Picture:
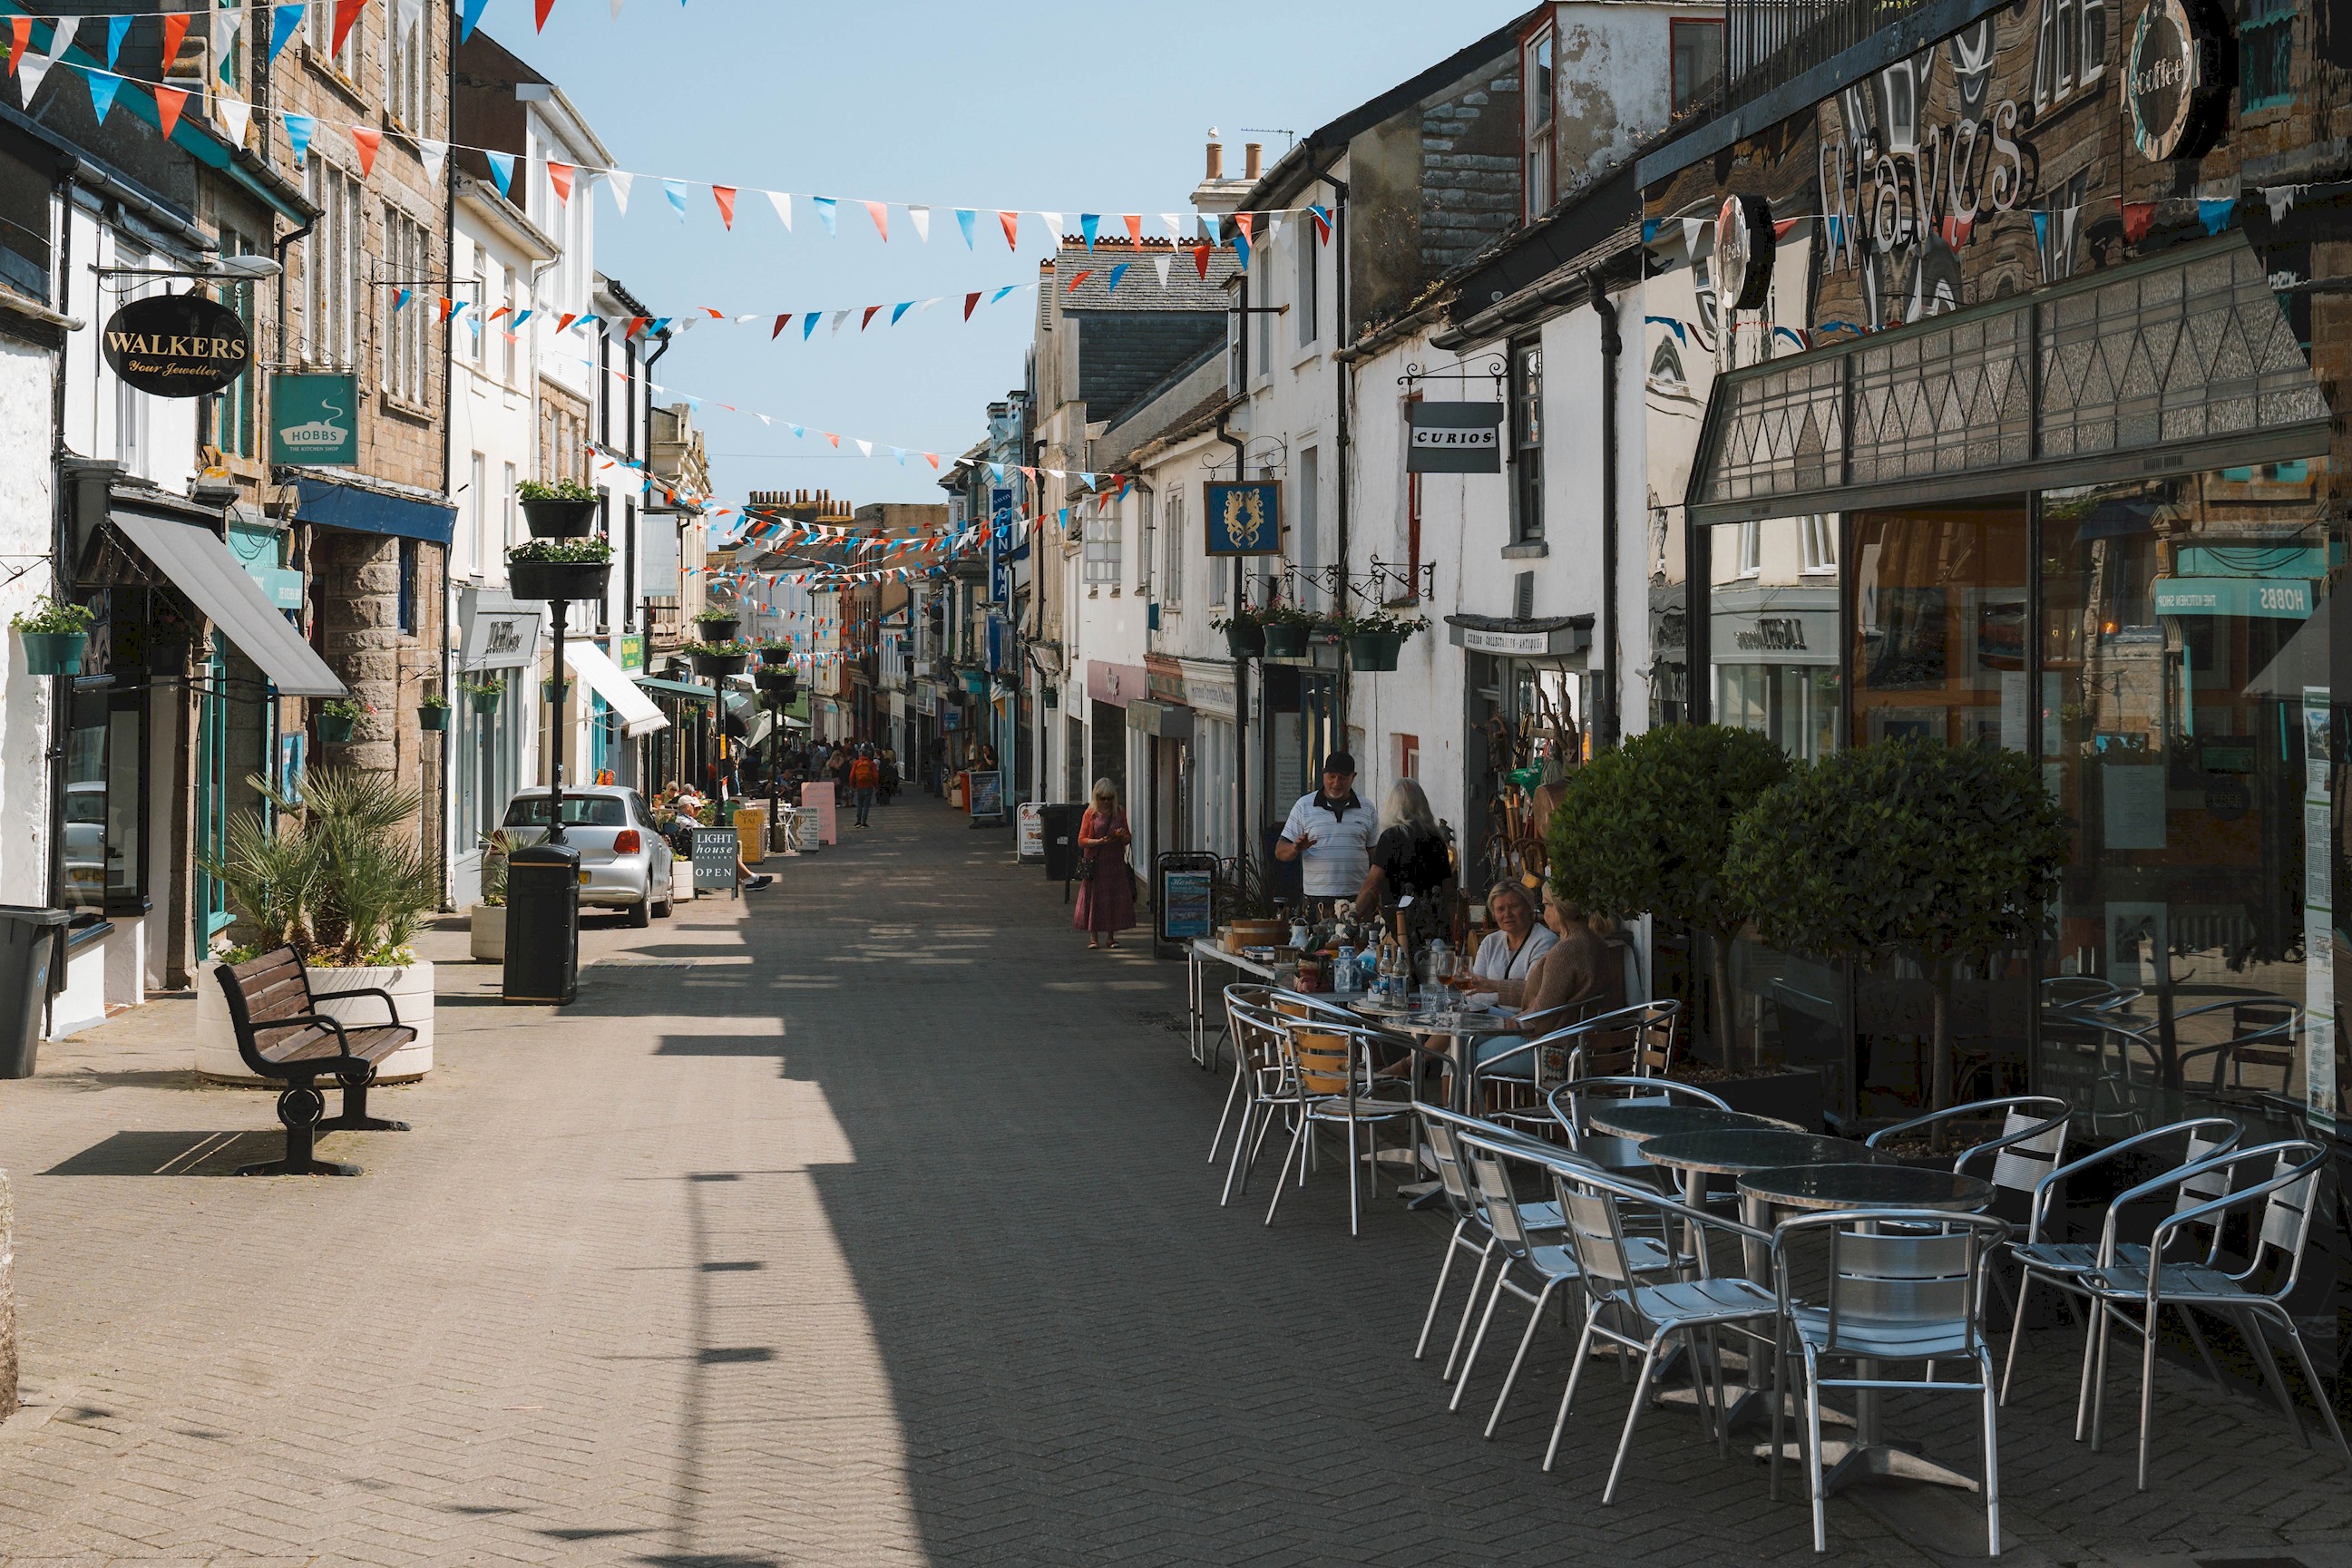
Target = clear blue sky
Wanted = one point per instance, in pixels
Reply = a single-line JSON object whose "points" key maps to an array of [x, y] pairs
{"points": [[1064, 106]]}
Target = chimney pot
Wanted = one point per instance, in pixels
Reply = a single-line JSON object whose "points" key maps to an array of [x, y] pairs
{"points": [[1252, 156], [1216, 160]]}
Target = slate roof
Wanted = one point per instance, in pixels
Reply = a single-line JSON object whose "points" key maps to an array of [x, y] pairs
{"points": [[1140, 289]]}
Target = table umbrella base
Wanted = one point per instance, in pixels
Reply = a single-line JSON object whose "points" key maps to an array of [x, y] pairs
{"points": [[1844, 1463]]}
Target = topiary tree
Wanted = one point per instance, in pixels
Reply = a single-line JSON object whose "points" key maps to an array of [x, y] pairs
{"points": [[1910, 848], [1644, 828]]}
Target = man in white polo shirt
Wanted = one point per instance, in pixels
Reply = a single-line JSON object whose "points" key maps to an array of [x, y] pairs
{"points": [[1330, 833]]}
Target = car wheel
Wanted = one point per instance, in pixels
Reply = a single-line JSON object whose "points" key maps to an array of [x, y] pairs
{"points": [[662, 909], [641, 913]]}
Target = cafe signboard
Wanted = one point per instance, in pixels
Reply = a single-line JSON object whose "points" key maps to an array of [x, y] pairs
{"points": [[2175, 88], [177, 345]]}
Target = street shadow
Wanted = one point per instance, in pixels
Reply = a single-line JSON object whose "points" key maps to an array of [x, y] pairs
{"points": [[174, 1154]]}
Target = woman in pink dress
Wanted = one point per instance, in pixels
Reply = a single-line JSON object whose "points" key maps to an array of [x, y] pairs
{"points": [[1107, 895]]}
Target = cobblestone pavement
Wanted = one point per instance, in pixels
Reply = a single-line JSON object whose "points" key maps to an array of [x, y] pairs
{"points": [[865, 1222]]}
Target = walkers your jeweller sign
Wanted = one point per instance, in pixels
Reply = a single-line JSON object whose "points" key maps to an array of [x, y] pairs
{"points": [[177, 345], [2177, 79], [1455, 438], [1244, 518], [312, 420]]}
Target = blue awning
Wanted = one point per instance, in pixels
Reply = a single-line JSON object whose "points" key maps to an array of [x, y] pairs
{"points": [[362, 511]]}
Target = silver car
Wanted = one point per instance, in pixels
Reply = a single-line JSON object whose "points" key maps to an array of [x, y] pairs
{"points": [[624, 862]]}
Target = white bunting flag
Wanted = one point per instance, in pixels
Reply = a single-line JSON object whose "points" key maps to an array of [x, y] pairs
{"points": [[838, 317], [2281, 199], [30, 71], [921, 218], [1692, 229], [783, 205], [1161, 262], [235, 114], [1175, 222], [434, 154], [1053, 226], [1274, 229], [621, 180]]}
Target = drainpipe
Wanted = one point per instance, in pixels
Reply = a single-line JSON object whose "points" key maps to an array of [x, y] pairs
{"points": [[1346, 380], [1612, 347], [1241, 660]]}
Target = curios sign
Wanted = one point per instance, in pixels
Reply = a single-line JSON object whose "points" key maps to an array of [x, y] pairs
{"points": [[2177, 80], [1743, 252], [177, 345]]}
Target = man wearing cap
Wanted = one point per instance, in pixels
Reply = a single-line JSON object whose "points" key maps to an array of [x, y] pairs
{"points": [[1330, 833]]}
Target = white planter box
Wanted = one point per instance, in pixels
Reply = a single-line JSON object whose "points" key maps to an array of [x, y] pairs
{"points": [[681, 879], [490, 923], [412, 992]]}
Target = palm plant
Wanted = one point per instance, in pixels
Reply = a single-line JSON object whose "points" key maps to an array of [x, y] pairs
{"points": [[332, 875]]}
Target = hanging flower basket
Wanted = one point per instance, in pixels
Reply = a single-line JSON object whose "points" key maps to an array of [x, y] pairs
{"points": [[711, 628], [559, 517], [1374, 651], [559, 580], [1285, 640], [719, 658], [487, 701], [1245, 639], [335, 728], [433, 718], [54, 652], [776, 657], [781, 682]]}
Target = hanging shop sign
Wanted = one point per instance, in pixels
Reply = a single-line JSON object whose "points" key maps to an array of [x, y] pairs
{"points": [[1244, 518], [1455, 438], [177, 345], [1743, 252], [2175, 88], [314, 420]]}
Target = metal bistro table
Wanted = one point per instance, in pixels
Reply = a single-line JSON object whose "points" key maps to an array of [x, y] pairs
{"points": [[1637, 1120], [1864, 1186], [1455, 1027], [1197, 959]]}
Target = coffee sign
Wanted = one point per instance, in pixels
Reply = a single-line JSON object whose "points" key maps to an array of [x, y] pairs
{"points": [[177, 345], [2175, 88], [1743, 252]]}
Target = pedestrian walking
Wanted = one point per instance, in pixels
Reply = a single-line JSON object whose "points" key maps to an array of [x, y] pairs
{"points": [[865, 778], [1105, 890]]}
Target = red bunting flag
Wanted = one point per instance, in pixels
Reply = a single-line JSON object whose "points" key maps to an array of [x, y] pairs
{"points": [[365, 139], [559, 175], [448, 305], [2138, 218], [544, 7], [1012, 221], [169, 101], [501, 310], [880, 212], [175, 31], [1084, 273], [346, 13], [781, 322], [725, 196], [832, 437], [1241, 221], [1135, 227], [932, 458], [970, 302], [1201, 258], [569, 317], [637, 325], [871, 310], [21, 28]]}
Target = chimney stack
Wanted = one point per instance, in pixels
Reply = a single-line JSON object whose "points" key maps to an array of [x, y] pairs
{"points": [[1253, 158], [1216, 160]]}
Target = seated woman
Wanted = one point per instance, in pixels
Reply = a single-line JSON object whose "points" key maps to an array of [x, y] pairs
{"points": [[1410, 858], [1582, 974], [1509, 951]]}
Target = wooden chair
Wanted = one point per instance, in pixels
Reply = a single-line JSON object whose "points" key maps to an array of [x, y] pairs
{"points": [[284, 1036]]}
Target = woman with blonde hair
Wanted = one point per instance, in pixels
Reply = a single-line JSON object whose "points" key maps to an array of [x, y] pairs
{"points": [[1106, 891], [1409, 857]]}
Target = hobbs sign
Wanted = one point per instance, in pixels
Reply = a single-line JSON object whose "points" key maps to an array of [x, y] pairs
{"points": [[177, 345]]}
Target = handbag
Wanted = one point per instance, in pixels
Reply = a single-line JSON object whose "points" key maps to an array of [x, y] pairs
{"points": [[1085, 857]]}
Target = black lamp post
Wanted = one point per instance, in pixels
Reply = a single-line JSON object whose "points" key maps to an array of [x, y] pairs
{"points": [[542, 961]]}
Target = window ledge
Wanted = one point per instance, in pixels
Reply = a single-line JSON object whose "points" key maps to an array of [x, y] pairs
{"points": [[1527, 549], [400, 408]]}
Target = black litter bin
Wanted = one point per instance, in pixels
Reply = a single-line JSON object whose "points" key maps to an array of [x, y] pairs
{"points": [[31, 955], [1061, 825], [542, 963]]}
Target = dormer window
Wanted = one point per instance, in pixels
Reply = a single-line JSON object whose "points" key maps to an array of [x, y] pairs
{"points": [[1536, 91]]}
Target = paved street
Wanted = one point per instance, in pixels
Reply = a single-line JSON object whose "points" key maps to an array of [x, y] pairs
{"points": [[866, 1223]]}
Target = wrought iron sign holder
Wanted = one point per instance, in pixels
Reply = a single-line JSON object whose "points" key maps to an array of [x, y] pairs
{"points": [[1495, 369]]}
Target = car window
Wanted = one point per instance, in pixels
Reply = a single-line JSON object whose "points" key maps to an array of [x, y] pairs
{"points": [[578, 811], [645, 812]]}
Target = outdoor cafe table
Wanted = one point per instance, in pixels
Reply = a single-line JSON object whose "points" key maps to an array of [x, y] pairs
{"points": [[1203, 953], [1736, 1151], [1860, 1184], [1457, 1028], [1637, 1120]]}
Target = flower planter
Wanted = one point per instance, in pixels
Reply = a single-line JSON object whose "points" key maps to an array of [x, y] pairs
{"points": [[547, 692], [722, 630], [335, 728], [487, 702], [488, 922], [432, 719], [776, 658], [1245, 639], [54, 652], [1374, 651], [412, 992], [560, 519], [1285, 640], [783, 683], [721, 663], [557, 579]]}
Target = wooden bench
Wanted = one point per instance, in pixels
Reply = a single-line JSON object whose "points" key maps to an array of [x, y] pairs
{"points": [[283, 1037]]}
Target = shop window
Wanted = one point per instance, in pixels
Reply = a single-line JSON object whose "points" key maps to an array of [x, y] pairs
{"points": [[1817, 543], [1171, 577], [1751, 550], [235, 424], [1310, 280], [1697, 62], [1538, 97], [405, 57], [2072, 48], [2265, 55], [1526, 442], [331, 266], [105, 851], [320, 35], [408, 586], [1772, 637], [1103, 543], [405, 352], [1146, 542]]}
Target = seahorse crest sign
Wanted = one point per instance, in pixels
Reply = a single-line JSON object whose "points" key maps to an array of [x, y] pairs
{"points": [[1245, 518]]}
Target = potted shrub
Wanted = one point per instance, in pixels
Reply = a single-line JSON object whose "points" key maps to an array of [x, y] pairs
{"points": [[332, 871], [1912, 849], [1373, 641], [485, 696], [1643, 828], [433, 712], [563, 569], [719, 658], [773, 652], [339, 718], [717, 625], [1245, 632], [564, 511], [486, 920], [55, 636]]}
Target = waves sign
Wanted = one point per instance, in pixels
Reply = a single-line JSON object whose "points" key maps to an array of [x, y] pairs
{"points": [[312, 420], [177, 345]]}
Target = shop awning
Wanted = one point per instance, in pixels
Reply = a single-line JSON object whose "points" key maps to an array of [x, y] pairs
{"points": [[686, 689], [591, 663], [362, 510], [201, 567]]}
